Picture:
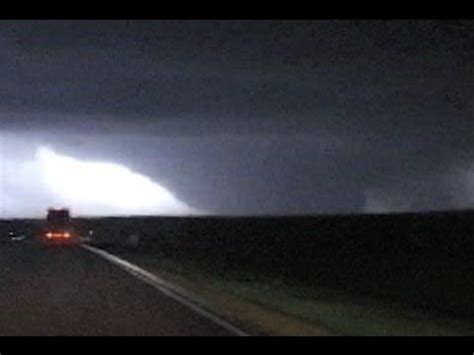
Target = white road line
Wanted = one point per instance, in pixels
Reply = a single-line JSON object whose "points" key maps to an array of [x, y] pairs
{"points": [[169, 289]]}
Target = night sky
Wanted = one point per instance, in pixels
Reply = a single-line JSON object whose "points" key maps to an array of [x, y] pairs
{"points": [[236, 117]]}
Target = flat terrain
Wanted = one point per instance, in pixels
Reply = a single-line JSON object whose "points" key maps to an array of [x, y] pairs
{"points": [[68, 291], [278, 307], [391, 274]]}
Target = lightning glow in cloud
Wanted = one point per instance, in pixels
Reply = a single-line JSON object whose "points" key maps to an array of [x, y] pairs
{"points": [[104, 186], [29, 187]]}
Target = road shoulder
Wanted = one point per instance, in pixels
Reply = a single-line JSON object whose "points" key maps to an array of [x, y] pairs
{"points": [[254, 318]]}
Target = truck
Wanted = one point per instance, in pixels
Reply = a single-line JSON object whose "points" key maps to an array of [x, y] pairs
{"points": [[58, 229]]}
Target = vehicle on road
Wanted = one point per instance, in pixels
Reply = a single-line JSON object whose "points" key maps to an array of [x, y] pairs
{"points": [[59, 228], [87, 238], [14, 236]]}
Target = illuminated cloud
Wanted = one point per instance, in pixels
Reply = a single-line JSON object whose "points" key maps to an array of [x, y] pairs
{"points": [[461, 183], [381, 201], [88, 188]]}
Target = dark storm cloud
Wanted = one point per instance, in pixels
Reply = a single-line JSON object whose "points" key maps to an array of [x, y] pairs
{"points": [[255, 116]]}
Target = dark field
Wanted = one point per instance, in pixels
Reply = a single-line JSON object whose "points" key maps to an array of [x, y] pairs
{"points": [[421, 260]]}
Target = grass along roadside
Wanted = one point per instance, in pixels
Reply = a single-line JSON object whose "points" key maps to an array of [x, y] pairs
{"points": [[277, 308]]}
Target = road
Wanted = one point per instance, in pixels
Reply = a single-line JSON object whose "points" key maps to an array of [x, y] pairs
{"points": [[70, 291]]}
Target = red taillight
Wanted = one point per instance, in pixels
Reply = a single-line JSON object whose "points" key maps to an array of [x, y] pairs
{"points": [[59, 235]]}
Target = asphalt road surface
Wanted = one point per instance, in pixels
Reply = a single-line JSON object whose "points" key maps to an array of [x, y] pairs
{"points": [[69, 291]]}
